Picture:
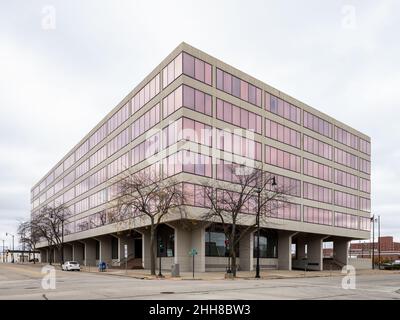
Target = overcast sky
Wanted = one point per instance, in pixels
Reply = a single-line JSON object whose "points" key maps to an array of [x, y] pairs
{"points": [[65, 64]]}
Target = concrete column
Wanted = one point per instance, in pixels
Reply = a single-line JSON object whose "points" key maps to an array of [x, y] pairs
{"points": [[146, 250], [43, 255], [78, 252], [182, 246], [125, 240], [315, 253], [285, 250], [89, 252], [246, 246], [300, 248], [68, 256], [341, 250], [199, 243], [105, 248]]}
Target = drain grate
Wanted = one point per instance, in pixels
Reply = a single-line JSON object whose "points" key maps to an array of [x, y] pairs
{"points": [[167, 292]]}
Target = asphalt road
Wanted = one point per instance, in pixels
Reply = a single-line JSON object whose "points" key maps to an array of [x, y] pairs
{"points": [[25, 282]]}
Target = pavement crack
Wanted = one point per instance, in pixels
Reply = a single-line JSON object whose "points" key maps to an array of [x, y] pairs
{"points": [[44, 296]]}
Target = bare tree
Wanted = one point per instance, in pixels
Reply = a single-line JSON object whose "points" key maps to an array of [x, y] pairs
{"points": [[49, 224], [151, 195], [29, 235], [229, 203]]}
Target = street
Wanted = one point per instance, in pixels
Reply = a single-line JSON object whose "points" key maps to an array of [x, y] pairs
{"points": [[24, 282]]}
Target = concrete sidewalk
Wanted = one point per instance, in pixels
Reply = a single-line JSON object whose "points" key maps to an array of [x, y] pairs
{"points": [[265, 274]]}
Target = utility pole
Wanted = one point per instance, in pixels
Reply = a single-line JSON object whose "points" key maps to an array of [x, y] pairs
{"points": [[12, 254], [379, 242]]}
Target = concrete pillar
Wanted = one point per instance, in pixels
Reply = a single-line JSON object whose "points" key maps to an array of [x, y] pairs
{"points": [[105, 248], [43, 255], [128, 241], [146, 250], [246, 246], [182, 246], [199, 243], [285, 249], [89, 253], [78, 252], [300, 248], [341, 250], [315, 253], [68, 256], [56, 255]]}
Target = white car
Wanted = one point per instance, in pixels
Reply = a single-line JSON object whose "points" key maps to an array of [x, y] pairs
{"points": [[71, 266]]}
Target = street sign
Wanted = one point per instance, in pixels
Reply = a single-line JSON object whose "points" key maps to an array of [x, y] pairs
{"points": [[126, 250], [193, 252]]}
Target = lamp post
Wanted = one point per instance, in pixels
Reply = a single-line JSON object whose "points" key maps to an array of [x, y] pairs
{"points": [[258, 190], [12, 254], [161, 250], [373, 241]]}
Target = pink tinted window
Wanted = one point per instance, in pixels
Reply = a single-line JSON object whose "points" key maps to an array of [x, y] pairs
{"points": [[235, 115], [188, 65], [244, 120], [207, 75], [199, 70], [235, 86], [252, 121], [220, 79], [227, 82], [188, 97], [199, 101], [244, 90], [220, 109], [208, 106], [227, 112]]}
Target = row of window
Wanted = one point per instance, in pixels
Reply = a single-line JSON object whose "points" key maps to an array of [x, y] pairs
{"points": [[187, 129], [238, 88], [282, 159], [238, 116], [282, 108], [187, 161], [185, 96], [317, 124], [282, 133], [317, 147], [238, 145]]}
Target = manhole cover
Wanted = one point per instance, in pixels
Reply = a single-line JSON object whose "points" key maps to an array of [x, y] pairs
{"points": [[167, 292]]}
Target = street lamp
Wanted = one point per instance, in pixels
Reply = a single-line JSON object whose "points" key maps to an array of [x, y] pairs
{"points": [[373, 219], [12, 254], [258, 190], [161, 251]]}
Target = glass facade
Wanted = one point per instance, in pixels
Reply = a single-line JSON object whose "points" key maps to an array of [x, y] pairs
{"points": [[311, 156]]}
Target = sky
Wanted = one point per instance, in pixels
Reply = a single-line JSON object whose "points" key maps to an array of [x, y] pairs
{"points": [[65, 64]]}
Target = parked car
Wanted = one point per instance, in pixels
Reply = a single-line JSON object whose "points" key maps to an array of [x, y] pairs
{"points": [[71, 266]]}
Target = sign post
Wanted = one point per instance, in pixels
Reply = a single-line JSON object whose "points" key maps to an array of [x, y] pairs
{"points": [[192, 253]]}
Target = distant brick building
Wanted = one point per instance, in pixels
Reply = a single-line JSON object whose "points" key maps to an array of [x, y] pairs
{"points": [[390, 250]]}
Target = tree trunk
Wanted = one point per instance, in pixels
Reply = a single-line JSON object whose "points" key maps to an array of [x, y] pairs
{"points": [[153, 251], [233, 251], [50, 256], [233, 261]]}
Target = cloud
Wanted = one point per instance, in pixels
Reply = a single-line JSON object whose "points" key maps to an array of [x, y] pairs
{"points": [[56, 85]]}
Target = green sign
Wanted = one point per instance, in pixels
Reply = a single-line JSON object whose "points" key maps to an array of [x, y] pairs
{"points": [[193, 252]]}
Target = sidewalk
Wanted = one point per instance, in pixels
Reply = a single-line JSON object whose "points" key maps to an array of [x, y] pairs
{"points": [[243, 275]]}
